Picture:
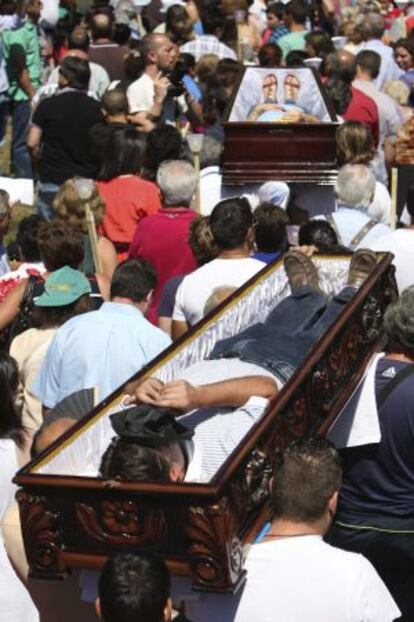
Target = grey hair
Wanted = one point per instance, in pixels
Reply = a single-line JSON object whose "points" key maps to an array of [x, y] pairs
{"points": [[374, 25], [399, 322], [210, 152], [355, 186], [398, 90], [177, 182]]}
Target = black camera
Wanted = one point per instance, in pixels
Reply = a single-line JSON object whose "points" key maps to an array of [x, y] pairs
{"points": [[176, 76]]}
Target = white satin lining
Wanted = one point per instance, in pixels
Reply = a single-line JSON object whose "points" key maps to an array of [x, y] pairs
{"points": [[82, 455]]}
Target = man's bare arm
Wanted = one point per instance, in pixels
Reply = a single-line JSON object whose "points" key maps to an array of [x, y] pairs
{"points": [[18, 61], [34, 139], [178, 329], [9, 308], [182, 395]]}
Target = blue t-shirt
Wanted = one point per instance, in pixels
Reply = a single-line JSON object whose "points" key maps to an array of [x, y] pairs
{"points": [[378, 486], [266, 257], [192, 87]]}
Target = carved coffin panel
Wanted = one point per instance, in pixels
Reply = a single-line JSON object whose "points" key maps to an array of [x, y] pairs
{"points": [[279, 124], [201, 529]]}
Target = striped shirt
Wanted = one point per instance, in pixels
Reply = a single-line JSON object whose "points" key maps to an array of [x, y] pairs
{"points": [[278, 33], [207, 44], [218, 431]]}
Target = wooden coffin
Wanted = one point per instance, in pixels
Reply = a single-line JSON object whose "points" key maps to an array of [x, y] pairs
{"points": [[71, 518], [271, 147]]}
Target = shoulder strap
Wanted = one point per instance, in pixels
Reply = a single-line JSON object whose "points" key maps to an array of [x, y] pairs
{"points": [[393, 384], [362, 233]]}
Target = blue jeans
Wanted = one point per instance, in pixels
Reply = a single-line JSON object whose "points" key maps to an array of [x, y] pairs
{"points": [[282, 342], [22, 163], [47, 192]]}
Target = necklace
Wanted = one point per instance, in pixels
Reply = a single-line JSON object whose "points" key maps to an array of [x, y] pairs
{"points": [[289, 535]]}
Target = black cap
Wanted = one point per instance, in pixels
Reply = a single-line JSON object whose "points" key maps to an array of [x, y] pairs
{"points": [[150, 426]]}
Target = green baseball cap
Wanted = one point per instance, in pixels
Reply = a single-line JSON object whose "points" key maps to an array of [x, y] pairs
{"points": [[63, 287]]}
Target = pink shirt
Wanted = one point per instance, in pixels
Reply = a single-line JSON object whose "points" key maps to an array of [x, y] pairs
{"points": [[162, 240]]}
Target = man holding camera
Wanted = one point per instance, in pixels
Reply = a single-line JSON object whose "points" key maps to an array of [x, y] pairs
{"points": [[152, 97]]}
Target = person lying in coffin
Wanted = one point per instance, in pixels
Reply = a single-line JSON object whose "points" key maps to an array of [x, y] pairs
{"points": [[224, 396]]}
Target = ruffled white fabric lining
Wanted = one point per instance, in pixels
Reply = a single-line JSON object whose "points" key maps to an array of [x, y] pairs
{"points": [[81, 454]]}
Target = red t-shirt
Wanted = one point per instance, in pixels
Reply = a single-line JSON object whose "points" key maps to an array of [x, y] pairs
{"points": [[162, 240], [128, 198], [362, 108], [409, 25]]}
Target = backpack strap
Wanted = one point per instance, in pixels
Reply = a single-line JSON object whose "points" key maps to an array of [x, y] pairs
{"points": [[27, 300], [393, 384], [362, 233]]}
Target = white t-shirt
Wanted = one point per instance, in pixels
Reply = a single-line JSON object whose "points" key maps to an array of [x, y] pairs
{"points": [[141, 94], [401, 244], [197, 287], [303, 578], [15, 602]]}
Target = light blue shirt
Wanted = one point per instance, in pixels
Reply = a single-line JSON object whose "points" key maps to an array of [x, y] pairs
{"points": [[100, 349], [350, 221]]}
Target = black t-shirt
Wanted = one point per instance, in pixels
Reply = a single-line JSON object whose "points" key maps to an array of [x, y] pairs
{"points": [[100, 135], [65, 120], [167, 300], [378, 485]]}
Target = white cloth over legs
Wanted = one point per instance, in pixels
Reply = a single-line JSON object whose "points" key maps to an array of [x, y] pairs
{"points": [[15, 602]]}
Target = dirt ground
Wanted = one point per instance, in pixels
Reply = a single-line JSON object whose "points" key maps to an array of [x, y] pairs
{"points": [[19, 209]]}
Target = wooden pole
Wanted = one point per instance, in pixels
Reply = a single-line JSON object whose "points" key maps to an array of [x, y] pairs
{"points": [[197, 201], [93, 237], [394, 190], [239, 43]]}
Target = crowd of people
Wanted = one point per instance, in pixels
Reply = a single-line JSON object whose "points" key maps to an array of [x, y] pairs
{"points": [[131, 240]]}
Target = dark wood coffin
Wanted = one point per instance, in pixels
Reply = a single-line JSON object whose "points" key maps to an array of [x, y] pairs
{"points": [[70, 519], [260, 150]]}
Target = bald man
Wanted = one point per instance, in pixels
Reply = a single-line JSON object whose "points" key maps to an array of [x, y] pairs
{"points": [[78, 45], [104, 51], [147, 95], [114, 107]]}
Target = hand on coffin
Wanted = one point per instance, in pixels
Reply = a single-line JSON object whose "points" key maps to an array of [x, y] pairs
{"points": [[233, 393], [178, 394], [307, 250]]}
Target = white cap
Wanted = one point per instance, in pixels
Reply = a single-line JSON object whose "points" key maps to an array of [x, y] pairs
{"points": [[276, 192], [167, 3]]}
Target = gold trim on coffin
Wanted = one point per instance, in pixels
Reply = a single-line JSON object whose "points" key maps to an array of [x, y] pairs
{"points": [[173, 353]]}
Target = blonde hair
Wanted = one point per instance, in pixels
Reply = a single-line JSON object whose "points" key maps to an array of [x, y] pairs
{"points": [[354, 144], [70, 208], [217, 296], [398, 90], [206, 66]]}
